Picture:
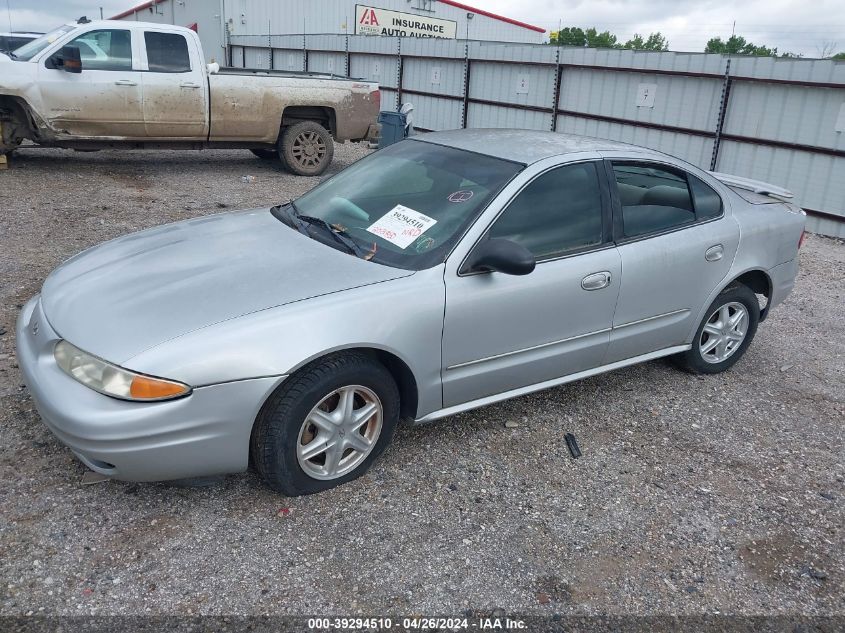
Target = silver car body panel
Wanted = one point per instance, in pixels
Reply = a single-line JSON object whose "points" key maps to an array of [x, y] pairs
{"points": [[233, 304], [161, 283]]}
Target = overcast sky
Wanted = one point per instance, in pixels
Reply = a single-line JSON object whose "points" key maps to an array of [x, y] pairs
{"points": [[800, 26]]}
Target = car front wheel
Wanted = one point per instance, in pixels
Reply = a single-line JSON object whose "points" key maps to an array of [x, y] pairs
{"points": [[725, 332], [326, 424]]}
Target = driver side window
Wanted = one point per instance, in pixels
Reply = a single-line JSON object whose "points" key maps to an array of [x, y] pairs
{"points": [[105, 49], [558, 212]]}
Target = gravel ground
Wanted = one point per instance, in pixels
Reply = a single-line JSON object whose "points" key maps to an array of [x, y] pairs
{"points": [[694, 494]]}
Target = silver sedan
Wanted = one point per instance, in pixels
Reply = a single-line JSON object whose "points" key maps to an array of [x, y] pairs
{"points": [[444, 273]]}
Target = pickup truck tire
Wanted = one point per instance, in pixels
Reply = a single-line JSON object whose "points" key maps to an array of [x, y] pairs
{"points": [[306, 148], [307, 411], [725, 332], [266, 154]]}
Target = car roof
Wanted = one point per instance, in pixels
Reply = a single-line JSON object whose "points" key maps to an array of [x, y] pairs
{"points": [[523, 146]]}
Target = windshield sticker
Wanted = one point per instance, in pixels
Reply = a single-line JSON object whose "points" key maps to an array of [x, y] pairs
{"points": [[401, 226], [460, 196]]}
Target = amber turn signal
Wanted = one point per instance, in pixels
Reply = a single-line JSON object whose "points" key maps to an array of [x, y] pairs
{"points": [[145, 388]]}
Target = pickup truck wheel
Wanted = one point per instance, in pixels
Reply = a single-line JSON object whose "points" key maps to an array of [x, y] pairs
{"points": [[306, 148], [266, 154], [725, 332], [325, 424]]}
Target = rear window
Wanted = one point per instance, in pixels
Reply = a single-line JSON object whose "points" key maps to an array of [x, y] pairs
{"points": [[167, 52]]}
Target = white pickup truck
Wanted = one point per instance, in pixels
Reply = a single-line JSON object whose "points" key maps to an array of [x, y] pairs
{"points": [[111, 84]]}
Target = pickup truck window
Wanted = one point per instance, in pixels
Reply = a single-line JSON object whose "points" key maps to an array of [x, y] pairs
{"points": [[167, 52], [106, 49]]}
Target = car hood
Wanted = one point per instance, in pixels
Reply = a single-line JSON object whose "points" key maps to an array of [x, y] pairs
{"points": [[130, 294]]}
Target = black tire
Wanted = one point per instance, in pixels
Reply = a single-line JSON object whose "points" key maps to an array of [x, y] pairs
{"points": [[693, 361], [276, 432], [266, 154], [294, 148]]}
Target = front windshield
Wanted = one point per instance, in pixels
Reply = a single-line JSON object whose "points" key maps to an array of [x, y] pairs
{"points": [[31, 49], [407, 205]]}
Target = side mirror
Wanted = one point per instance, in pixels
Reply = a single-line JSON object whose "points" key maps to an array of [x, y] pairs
{"points": [[68, 59], [503, 256]]}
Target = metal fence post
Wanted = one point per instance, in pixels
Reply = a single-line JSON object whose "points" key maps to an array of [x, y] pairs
{"points": [[720, 120], [558, 79], [346, 54], [467, 64], [400, 73]]}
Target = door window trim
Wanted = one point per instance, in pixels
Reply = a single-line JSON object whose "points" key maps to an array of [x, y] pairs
{"points": [[606, 220], [619, 236]]}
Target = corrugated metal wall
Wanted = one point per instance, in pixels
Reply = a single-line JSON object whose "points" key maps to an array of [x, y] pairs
{"points": [[772, 119]]}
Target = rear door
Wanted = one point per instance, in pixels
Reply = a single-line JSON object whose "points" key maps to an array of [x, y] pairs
{"points": [[175, 90], [104, 100], [676, 241]]}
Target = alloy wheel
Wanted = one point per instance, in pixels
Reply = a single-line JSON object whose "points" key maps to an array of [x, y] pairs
{"points": [[340, 432], [723, 333]]}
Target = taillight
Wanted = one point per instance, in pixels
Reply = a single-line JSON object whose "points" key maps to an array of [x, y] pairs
{"points": [[375, 95], [801, 239]]}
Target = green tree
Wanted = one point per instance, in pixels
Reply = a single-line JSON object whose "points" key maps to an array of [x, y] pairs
{"points": [[738, 45], [654, 42], [840, 56], [575, 36]]}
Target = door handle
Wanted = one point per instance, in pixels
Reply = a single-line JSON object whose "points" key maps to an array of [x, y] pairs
{"points": [[125, 82], [596, 281], [188, 84], [714, 253]]}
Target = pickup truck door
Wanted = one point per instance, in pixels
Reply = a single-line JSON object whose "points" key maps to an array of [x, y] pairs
{"points": [[175, 87], [104, 100]]}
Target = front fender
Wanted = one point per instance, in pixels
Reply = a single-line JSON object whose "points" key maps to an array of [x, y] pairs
{"points": [[403, 317]]}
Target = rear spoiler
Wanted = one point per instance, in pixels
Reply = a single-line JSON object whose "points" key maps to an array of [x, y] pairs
{"points": [[756, 186]]}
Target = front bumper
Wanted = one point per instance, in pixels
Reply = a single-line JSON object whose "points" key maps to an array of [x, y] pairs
{"points": [[205, 433]]}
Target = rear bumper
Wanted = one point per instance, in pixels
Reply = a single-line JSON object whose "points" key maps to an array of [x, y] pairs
{"points": [[783, 280], [205, 433]]}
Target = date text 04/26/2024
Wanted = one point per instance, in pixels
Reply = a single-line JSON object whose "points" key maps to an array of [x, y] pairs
{"points": [[416, 623]]}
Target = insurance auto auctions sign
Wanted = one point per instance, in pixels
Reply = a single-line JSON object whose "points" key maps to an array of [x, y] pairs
{"points": [[373, 21]]}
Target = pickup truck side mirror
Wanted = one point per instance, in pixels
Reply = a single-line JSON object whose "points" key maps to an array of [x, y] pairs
{"points": [[68, 59], [501, 255]]}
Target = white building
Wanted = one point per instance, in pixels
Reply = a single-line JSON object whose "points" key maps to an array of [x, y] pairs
{"points": [[424, 18]]}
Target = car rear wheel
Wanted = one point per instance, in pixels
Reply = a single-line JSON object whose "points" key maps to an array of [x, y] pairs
{"points": [[266, 154], [326, 424], [725, 332], [306, 148]]}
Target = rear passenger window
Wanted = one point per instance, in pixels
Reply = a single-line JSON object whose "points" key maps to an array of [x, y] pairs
{"points": [[167, 52], [559, 211], [708, 204], [654, 199]]}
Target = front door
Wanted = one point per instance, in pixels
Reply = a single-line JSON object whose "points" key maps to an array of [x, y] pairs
{"points": [[503, 332], [104, 100]]}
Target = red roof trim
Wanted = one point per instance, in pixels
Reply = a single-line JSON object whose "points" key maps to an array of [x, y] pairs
{"points": [[140, 7], [495, 16], [459, 5]]}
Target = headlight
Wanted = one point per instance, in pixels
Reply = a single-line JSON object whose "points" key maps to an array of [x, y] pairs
{"points": [[112, 380]]}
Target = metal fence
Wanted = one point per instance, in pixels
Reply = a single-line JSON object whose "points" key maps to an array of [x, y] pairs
{"points": [[772, 119]]}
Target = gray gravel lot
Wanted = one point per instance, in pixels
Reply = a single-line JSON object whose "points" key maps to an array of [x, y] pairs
{"points": [[694, 494]]}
